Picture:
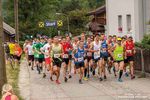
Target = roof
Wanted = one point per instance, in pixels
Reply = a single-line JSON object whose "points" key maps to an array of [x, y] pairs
{"points": [[97, 11], [8, 28]]}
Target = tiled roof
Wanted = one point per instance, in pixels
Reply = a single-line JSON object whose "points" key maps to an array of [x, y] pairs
{"points": [[97, 11], [8, 28]]}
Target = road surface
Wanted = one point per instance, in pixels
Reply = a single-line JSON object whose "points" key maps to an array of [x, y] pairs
{"points": [[34, 87]]}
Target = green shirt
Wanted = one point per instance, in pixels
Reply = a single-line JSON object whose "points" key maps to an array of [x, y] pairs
{"points": [[38, 46], [36, 55], [118, 53]]}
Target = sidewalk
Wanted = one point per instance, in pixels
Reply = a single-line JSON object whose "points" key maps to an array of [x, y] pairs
{"points": [[24, 80]]}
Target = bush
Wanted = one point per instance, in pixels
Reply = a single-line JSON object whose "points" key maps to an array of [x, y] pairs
{"points": [[145, 43]]}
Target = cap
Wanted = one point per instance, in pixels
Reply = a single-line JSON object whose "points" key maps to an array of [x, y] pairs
{"points": [[119, 39]]}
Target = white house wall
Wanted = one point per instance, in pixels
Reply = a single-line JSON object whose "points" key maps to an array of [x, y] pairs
{"points": [[125, 7]]}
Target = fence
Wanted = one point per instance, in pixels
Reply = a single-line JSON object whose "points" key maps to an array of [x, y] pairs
{"points": [[145, 64]]}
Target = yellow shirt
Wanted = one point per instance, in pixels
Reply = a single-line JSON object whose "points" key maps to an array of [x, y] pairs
{"points": [[12, 48]]}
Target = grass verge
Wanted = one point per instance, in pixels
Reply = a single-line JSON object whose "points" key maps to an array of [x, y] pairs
{"points": [[12, 78]]}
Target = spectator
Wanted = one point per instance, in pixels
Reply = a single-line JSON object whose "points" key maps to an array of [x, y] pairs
{"points": [[7, 93]]}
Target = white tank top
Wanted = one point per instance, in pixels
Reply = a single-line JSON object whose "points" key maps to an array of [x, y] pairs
{"points": [[97, 47]]}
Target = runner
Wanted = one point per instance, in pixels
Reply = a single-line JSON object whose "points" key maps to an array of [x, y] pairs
{"points": [[46, 50], [114, 41], [30, 53], [12, 49], [110, 58], [89, 56], [17, 54], [69, 46], [79, 60], [57, 51], [130, 51], [75, 47], [25, 50], [66, 47], [118, 56], [103, 56], [39, 55], [36, 55], [83, 38], [95, 48]]}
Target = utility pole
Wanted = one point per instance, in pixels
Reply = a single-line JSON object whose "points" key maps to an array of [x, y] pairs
{"points": [[16, 20], [2, 58]]}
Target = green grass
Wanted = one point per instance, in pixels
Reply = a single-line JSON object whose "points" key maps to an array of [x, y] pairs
{"points": [[12, 78]]}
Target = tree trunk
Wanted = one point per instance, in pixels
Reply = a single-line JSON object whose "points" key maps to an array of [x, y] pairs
{"points": [[2, 55]]}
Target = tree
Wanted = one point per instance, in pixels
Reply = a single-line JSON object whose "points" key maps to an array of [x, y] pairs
{"points": [[2, 58], [33, 11]]}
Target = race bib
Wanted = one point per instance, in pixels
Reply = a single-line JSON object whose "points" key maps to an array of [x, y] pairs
{"points": [[120, 55], [65, 56], [56, 55], [30, 52], [96, 55], [129, 51], [80, 59], [89, 54]]}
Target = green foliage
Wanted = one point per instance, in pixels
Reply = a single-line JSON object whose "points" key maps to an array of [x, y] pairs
{"points": [[145, 43], [146, 39], [33, 11]]}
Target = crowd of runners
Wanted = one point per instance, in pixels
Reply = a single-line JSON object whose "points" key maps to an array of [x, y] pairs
{"points": [[88, 56]]}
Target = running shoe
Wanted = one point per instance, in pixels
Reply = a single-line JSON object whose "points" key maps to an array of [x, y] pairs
{"points": [[65, 79], [57, 81], [44, 75], [120, 80], [70, 76], [80, 82], [100, 79], [132, 77], [105, 77], [126, 74], [85, 79], [29, 64]]}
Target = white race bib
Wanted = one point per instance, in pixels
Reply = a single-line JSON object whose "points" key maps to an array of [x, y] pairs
{"points": [[129, 51], [89, 54], [96, 55], [65, 56], [120, 55], [80, 59], [56, 55]]}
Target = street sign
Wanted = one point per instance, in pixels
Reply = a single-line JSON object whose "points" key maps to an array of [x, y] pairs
{"points": [[41, 24], [50, 23], [60, 23]]}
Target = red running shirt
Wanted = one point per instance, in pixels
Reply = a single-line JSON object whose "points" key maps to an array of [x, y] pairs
{"points": [[66, 47], [129, 48]]}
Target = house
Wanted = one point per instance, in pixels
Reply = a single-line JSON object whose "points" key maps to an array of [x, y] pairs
{"points": [[9, 32], [128, 17], [98, 22]]}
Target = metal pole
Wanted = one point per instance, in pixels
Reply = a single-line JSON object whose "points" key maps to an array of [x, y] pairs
{"points": [[16, 20], [3, 79]]}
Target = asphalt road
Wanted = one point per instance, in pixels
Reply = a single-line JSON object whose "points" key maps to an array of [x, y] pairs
{"points": [[34, 87]]}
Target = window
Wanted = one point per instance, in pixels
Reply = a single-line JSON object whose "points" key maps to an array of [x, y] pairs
{"points": [[128, 23], [120, 24]]}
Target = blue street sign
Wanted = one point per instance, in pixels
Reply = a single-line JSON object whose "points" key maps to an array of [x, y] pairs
{"points": [[50, 23]]}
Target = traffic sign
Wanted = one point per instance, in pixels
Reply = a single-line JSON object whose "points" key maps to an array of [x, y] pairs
{"points": [[50, 23], [41, 24], [60, 23]]}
